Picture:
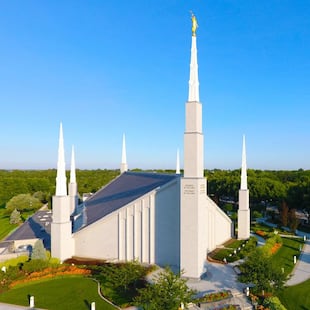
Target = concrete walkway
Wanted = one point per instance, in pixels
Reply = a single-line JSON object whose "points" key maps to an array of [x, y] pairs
{"points": [[221, 277], [14, 307], [301, 271]]}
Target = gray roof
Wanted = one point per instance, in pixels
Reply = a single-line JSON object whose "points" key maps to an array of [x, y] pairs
{"points": [[37, 226], [122, 190], [126, 188]]}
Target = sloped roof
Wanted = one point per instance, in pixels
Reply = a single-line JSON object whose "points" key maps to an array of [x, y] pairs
{"points": [[37, 226], [121, 191]]}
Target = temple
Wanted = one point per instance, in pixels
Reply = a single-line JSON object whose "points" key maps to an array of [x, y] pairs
{"points": [[164, 219]]}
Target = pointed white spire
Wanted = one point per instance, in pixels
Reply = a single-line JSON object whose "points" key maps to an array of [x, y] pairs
{"points": [[244, 182], [193, 94], [61, 180], [124, 166], [177, 171], [72, 171]]}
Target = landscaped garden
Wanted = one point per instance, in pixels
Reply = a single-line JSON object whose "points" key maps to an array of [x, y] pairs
{"points": [[296, 297], [62, 293], [73, 286], [233, 250], [123, 283], [284, 257]]}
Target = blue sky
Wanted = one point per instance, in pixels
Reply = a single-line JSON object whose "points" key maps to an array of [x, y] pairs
{"points": [[110, 67]]}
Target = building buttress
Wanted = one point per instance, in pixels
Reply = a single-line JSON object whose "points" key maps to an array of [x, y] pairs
{"points": [[177, 170], [61, 227], [73, 192], [124, 166], [244, 209]]}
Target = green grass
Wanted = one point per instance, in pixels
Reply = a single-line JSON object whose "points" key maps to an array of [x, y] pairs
{"points": [[262, 227], [230, 246], [5, 226], [296, 297], [228, 251], [285, 255], [58, 294]]}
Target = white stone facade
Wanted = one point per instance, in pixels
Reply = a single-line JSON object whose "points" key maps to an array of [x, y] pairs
{"points": [[146, 230]]}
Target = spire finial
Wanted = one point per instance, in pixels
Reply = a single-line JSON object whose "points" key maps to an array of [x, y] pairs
{"points": [[193, 94], [244, 182], [124, 166], [194, 24], [61, 180], [177, 171], [72, 171]]}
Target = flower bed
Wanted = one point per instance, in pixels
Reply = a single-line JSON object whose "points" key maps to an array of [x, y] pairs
{"points": [[50, 273], [261, 233], [275, 248], [228, 307], [212, 297]]}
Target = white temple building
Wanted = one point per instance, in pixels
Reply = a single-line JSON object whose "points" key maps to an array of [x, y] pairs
{"points": [[166, 219]]}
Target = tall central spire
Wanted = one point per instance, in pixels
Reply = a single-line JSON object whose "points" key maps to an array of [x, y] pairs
{"points": [[61, 180], [193, 136], [193, 94]]}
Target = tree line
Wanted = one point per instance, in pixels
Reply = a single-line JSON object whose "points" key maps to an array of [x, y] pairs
{"points": [[266, 187], [42, 183]]}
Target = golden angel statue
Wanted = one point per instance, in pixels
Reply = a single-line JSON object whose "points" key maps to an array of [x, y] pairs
{"points": [[194, 25]]}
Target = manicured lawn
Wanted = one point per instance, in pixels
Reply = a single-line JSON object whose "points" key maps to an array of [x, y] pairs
{"points": [[230, 246], [228, 250], [58, 294], [296, 297], [284, 257], [5, 226]]}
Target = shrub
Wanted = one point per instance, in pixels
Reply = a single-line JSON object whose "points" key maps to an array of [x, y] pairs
{"points": [[54, 262], [273, 303], [35, 265], [38, 251], [15, 217], [14, 261]]}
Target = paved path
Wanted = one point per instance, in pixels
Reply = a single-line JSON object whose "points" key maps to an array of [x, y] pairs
{"points": [[301, 271], [14, 307], [221, 277]]}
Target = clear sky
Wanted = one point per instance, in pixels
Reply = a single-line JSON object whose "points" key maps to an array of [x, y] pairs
{"points": [[108, 67]]}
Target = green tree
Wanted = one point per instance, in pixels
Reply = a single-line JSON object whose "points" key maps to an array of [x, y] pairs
{"points": [[259, 270], [38, 251], [167, 292], [15, 217], [256, 214], [126, 275], [293, 221], [23, 202], [284, 213], [228, 207], [42, 196]]}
